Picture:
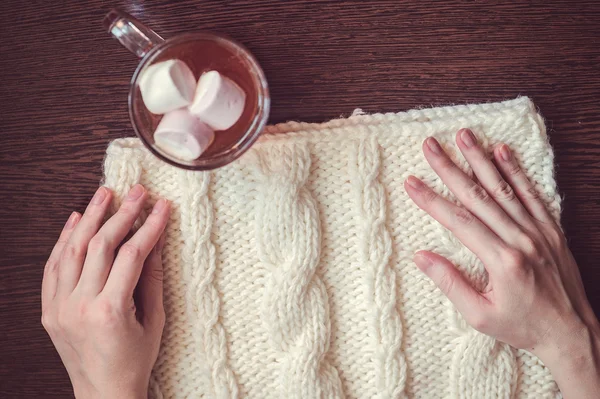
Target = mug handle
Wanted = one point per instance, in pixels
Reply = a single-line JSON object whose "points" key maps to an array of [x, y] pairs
{"points": [[131, 33]]}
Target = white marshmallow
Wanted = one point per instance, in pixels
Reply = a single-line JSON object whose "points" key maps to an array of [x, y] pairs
{"points": [[182, 135], [218, 101], [166, 86]]}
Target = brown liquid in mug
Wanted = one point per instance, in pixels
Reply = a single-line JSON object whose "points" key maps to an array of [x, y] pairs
{"points": [[203, 56]]}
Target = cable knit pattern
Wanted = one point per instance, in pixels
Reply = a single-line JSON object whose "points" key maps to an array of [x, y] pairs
{"points": [[483, 367], [295, 301], [199, 262], [376, 250], [289, 272]]}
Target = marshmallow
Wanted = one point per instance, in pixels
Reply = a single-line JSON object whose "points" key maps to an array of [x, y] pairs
{"points": [[218, 101], [182, 135], [166, 86]]}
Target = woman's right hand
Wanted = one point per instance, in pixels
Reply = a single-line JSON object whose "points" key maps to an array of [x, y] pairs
{"points": [[535, 298]]}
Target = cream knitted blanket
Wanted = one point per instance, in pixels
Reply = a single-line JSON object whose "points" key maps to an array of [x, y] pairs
{"points": [[288, 274]]}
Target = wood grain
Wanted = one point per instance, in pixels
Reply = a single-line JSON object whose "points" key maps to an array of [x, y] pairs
{"points": [[64, 86]]}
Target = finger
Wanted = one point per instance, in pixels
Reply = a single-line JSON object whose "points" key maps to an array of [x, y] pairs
{"points": [[474, 197], [126, 270], [50, 278], [491, 180], [524, 189], [74, 252], [470, 303], [150, 287], [101, 249], [467, 228]]}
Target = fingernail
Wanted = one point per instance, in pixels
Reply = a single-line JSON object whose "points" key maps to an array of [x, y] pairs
{"points": [[422, 261], [505, 153], [135, 192], [72, 220], [414, 182], [159, 206], [99, 196], [467, 137], [434, 146]]}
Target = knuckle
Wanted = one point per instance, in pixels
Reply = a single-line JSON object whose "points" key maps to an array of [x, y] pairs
{"points": [[155, 275], [51, 266], [82, 310], [63, 321], [446, 283], [556, 236], [514, 170], [153, 222], [130, 251], [528, 245], [429, 197], [479, 321], [513, 260], [480, 155], [463, 217], [478, 193], [105, 314], [513, 257], [446, 163], [128, 211], [503, 191], [72, 252], [532, 192], [62, 240], [47, 321], [100, 244]]}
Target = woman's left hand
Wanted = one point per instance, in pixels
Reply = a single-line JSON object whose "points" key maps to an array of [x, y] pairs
{"points": [[107, 340]]}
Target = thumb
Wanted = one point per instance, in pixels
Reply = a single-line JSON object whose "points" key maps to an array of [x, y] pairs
{"points": [[468, 301], [150, 286]]}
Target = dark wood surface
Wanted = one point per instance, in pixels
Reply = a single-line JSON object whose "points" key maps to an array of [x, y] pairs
{"points": [[64, 84]]}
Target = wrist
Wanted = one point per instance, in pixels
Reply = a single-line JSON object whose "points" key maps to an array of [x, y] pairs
{"points": [[111, 392], [129, 394], [573, 354], [114, 395]]}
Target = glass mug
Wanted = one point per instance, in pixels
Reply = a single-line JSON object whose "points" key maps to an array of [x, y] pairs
{"points": [[201, 52]]}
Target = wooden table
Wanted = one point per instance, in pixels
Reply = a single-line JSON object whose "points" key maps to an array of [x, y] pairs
{"points": [[64, 87]]}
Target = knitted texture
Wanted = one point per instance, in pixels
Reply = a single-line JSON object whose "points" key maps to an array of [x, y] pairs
{"points": [[288, 273]]}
